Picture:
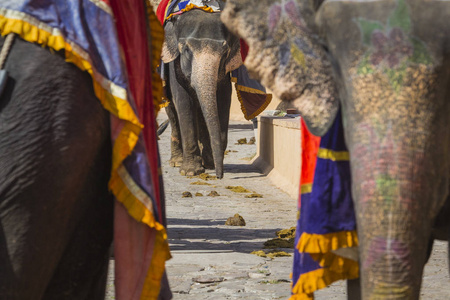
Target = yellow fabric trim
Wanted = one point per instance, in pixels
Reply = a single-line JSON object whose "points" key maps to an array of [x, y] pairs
{"points": [[333, 155], [155, 272], [135, 208], [157, 39], [321, 278], [189, 7], [249, 89], [334, 267], [260, 110], [306, 188], [323, 243]]}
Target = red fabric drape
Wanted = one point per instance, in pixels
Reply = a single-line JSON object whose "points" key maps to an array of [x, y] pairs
{"points": [[310, 147], [244, 49], [161, 10], [132, 33]]}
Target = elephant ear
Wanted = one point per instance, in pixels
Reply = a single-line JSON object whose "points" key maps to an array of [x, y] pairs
{"points": [[286, 55], [234, 61], [170, 46]]}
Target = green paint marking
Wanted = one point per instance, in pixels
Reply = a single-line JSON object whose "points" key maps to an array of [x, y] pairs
{"points": [[400, 17], [421, 54], [388, 187], [367, 28], [365, 67]]}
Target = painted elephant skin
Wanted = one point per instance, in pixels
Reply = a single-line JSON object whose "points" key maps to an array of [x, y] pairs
{"points": [[199, 52], [387, 64], [56, 213]]}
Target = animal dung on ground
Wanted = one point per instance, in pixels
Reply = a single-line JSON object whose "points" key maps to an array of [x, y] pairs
{"points": [[213, 194], [286, 233], [199, 183], [198, 195], [236, 220], [279, 243], [204, 176], [242, 141], [187, 195], [271, 254], [229, 151], [254, 195], [237, 189]]}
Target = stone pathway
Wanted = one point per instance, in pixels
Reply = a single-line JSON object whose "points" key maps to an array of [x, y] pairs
{"points": [[213, 261]]}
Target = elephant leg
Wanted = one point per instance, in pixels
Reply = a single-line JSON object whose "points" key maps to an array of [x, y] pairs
{"points": [[185, 109], [354, 289], [205, 142], [176, 156], [223, 106]]}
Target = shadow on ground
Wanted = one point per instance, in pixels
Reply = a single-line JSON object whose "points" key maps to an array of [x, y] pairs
{"points": [[223, 238], [240, 127]]}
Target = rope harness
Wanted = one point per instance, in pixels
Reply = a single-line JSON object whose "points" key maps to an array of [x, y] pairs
{"points": [[3, 54], [5, 49]]}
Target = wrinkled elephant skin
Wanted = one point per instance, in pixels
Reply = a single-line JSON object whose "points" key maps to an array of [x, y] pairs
{"points": [[391, 67], [56, 213], [199, 52]]}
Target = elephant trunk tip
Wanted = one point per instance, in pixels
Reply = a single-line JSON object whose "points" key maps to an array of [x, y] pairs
{"points": [[219, 174]]}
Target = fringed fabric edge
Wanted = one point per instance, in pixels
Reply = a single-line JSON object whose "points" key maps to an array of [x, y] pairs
{"points": [[324, 243], [250, 90], [161, 253], [312, 281], [334, 267], [157, 37], [189, 7]]}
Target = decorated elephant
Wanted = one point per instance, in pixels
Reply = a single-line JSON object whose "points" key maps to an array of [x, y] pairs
{"points": [[383, 68], [71, 137], [199, 54]]}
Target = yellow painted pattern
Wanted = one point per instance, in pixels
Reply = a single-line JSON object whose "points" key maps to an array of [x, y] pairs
{"points": [[306, 188], [333, 155], [298, 55]]}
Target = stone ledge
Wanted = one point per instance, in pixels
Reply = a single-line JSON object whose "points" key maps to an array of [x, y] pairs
{"points": [[279, 152]]}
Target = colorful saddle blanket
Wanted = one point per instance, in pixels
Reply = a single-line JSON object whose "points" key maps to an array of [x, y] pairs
{"points": [[251, 94], [99, 37], [326, 221]]}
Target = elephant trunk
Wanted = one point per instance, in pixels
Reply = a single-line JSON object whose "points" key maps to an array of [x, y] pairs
{"points": [[204, 80], [399, 188]]}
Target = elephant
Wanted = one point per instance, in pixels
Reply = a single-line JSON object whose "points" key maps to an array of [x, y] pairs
{"points": [[385, 64], [198, 55], [56, 212]]}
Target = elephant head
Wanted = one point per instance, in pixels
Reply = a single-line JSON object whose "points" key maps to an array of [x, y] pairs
{"points": [[287, 57], [388, 62], [203, 52]]}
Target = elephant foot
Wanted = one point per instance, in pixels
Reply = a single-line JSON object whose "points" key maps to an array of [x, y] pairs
{"points": [[191, 169], [176, 161]]}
